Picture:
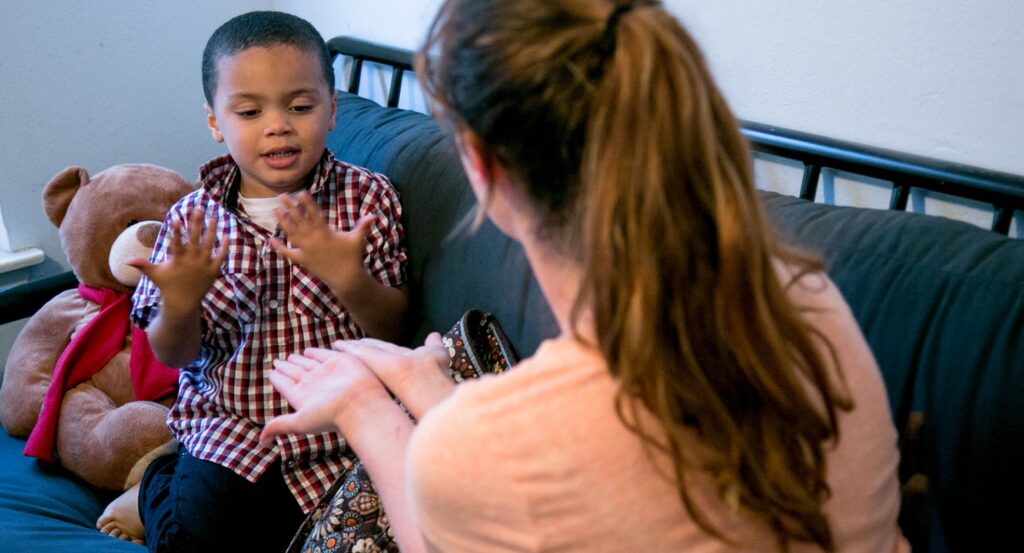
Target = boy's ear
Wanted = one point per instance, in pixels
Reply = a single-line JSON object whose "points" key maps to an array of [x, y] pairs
{"points": [[211, 121], [334, 109]]}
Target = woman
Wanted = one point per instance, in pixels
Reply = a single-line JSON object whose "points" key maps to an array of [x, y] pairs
{"points": [[709, 389]]}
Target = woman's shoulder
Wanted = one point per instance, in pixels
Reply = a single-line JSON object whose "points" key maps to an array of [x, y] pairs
{"points": [[520, 392], [497, 416], [821, 304]]}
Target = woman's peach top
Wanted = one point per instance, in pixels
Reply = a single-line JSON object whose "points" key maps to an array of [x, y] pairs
{"points": [[537, 459]]}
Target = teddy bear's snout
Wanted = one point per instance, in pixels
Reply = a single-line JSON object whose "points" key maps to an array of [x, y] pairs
{"points": [[135, 241], [146, 231]]}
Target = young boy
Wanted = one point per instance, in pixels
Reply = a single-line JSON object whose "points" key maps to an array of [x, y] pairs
{"points": [[282, 248]]}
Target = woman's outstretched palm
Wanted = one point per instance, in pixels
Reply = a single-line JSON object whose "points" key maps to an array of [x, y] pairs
{"points": [[321, 385]]}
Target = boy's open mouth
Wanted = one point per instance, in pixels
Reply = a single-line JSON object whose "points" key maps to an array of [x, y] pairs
{"points": [[280, 158], [281, 152]]}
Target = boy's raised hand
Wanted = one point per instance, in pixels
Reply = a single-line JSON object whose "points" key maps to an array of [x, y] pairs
{"points": [[335, 257], [190, 268]]}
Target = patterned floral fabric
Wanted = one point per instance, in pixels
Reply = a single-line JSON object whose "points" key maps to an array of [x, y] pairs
{"points": [[477, 345], [349, 518]]}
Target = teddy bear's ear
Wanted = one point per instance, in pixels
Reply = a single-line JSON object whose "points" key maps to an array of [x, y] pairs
{"points": [[60, 190]]}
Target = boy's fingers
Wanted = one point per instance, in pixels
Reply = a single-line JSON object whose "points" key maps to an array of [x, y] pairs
{"points": [[306, 209], [210, 237], [196, 222], [220, 257], [175, 246], [362, 227], [292, 254], [141, 264], [285, 218]]}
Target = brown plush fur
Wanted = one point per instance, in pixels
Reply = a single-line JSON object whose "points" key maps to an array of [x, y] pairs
{"points": [[104, 435]]}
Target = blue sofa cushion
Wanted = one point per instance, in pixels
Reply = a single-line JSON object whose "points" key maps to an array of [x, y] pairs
{"points": [[45, 509]]}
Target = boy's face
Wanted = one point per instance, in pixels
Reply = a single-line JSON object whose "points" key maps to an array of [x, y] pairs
{"points": [[273, 110]]}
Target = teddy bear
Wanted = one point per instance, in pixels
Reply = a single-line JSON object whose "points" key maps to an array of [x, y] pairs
{"points": [[81, 382]]}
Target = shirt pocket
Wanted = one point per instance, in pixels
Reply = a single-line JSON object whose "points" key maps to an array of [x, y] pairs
{"points": [[313, 298], [232, 305]]}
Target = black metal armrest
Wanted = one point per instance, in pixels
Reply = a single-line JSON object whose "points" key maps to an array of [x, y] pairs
{"points": [[22, 300]]}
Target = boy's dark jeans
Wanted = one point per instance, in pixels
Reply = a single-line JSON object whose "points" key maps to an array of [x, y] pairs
{"points": [[187, 504]]}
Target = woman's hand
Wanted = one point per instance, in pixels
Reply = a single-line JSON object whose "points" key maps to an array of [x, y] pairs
{"points": [[334, 390], [329, 390], [418, 377]]}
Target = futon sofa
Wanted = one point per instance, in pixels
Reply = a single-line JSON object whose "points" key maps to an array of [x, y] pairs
{"points": [[941, 303]]}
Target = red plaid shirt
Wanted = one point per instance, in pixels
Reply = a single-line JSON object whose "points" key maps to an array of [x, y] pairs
{"points": [[261, 308]]}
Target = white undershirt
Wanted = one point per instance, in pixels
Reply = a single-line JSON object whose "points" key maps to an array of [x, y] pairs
{"points": [[261, 210]]}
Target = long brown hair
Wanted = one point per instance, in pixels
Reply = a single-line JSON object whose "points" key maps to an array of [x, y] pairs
{"points": [[616, 129]]}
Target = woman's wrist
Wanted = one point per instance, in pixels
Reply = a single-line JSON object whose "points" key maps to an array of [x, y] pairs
{"points": [[369, 415], [421, 385]]}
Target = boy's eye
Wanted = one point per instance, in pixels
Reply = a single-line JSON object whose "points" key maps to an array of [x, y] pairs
{"points": [[248, 113], [302, 108]]}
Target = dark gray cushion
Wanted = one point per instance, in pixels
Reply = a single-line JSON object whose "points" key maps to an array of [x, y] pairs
{"points": [[448, 273], [942, 305]]}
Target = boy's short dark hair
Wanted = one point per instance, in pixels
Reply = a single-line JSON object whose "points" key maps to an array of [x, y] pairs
{"points": [[262, 29]]}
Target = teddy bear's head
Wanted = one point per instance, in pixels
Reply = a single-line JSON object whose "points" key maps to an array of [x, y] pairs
{"points": [[111, 217]]}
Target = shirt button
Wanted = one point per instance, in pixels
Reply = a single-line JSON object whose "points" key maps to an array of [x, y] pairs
{"points": [[290, 464], [273, 304]]}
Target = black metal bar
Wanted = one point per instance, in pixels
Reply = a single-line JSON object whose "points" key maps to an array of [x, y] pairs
{"points": [[22, 300], [956, 179], [377, 53], [809, 185], [900, 195], [396, 87], [1001, 220], [353, 78]]}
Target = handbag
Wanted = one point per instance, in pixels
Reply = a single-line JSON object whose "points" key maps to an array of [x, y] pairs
{"points": [[349, 517], [477, 346]]}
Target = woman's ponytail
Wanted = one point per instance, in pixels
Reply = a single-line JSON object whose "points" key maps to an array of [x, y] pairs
{"points": [[680, 282]]}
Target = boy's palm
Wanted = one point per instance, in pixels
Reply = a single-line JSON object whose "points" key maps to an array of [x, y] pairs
{"points": [[191, 265], [335, 257]]}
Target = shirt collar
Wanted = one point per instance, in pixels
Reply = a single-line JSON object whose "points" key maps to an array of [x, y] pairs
{"points": [[219, 178]]}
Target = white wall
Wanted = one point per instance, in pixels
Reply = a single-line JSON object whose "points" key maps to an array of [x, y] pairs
{"points": [[95, 84], [400, 23]]}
